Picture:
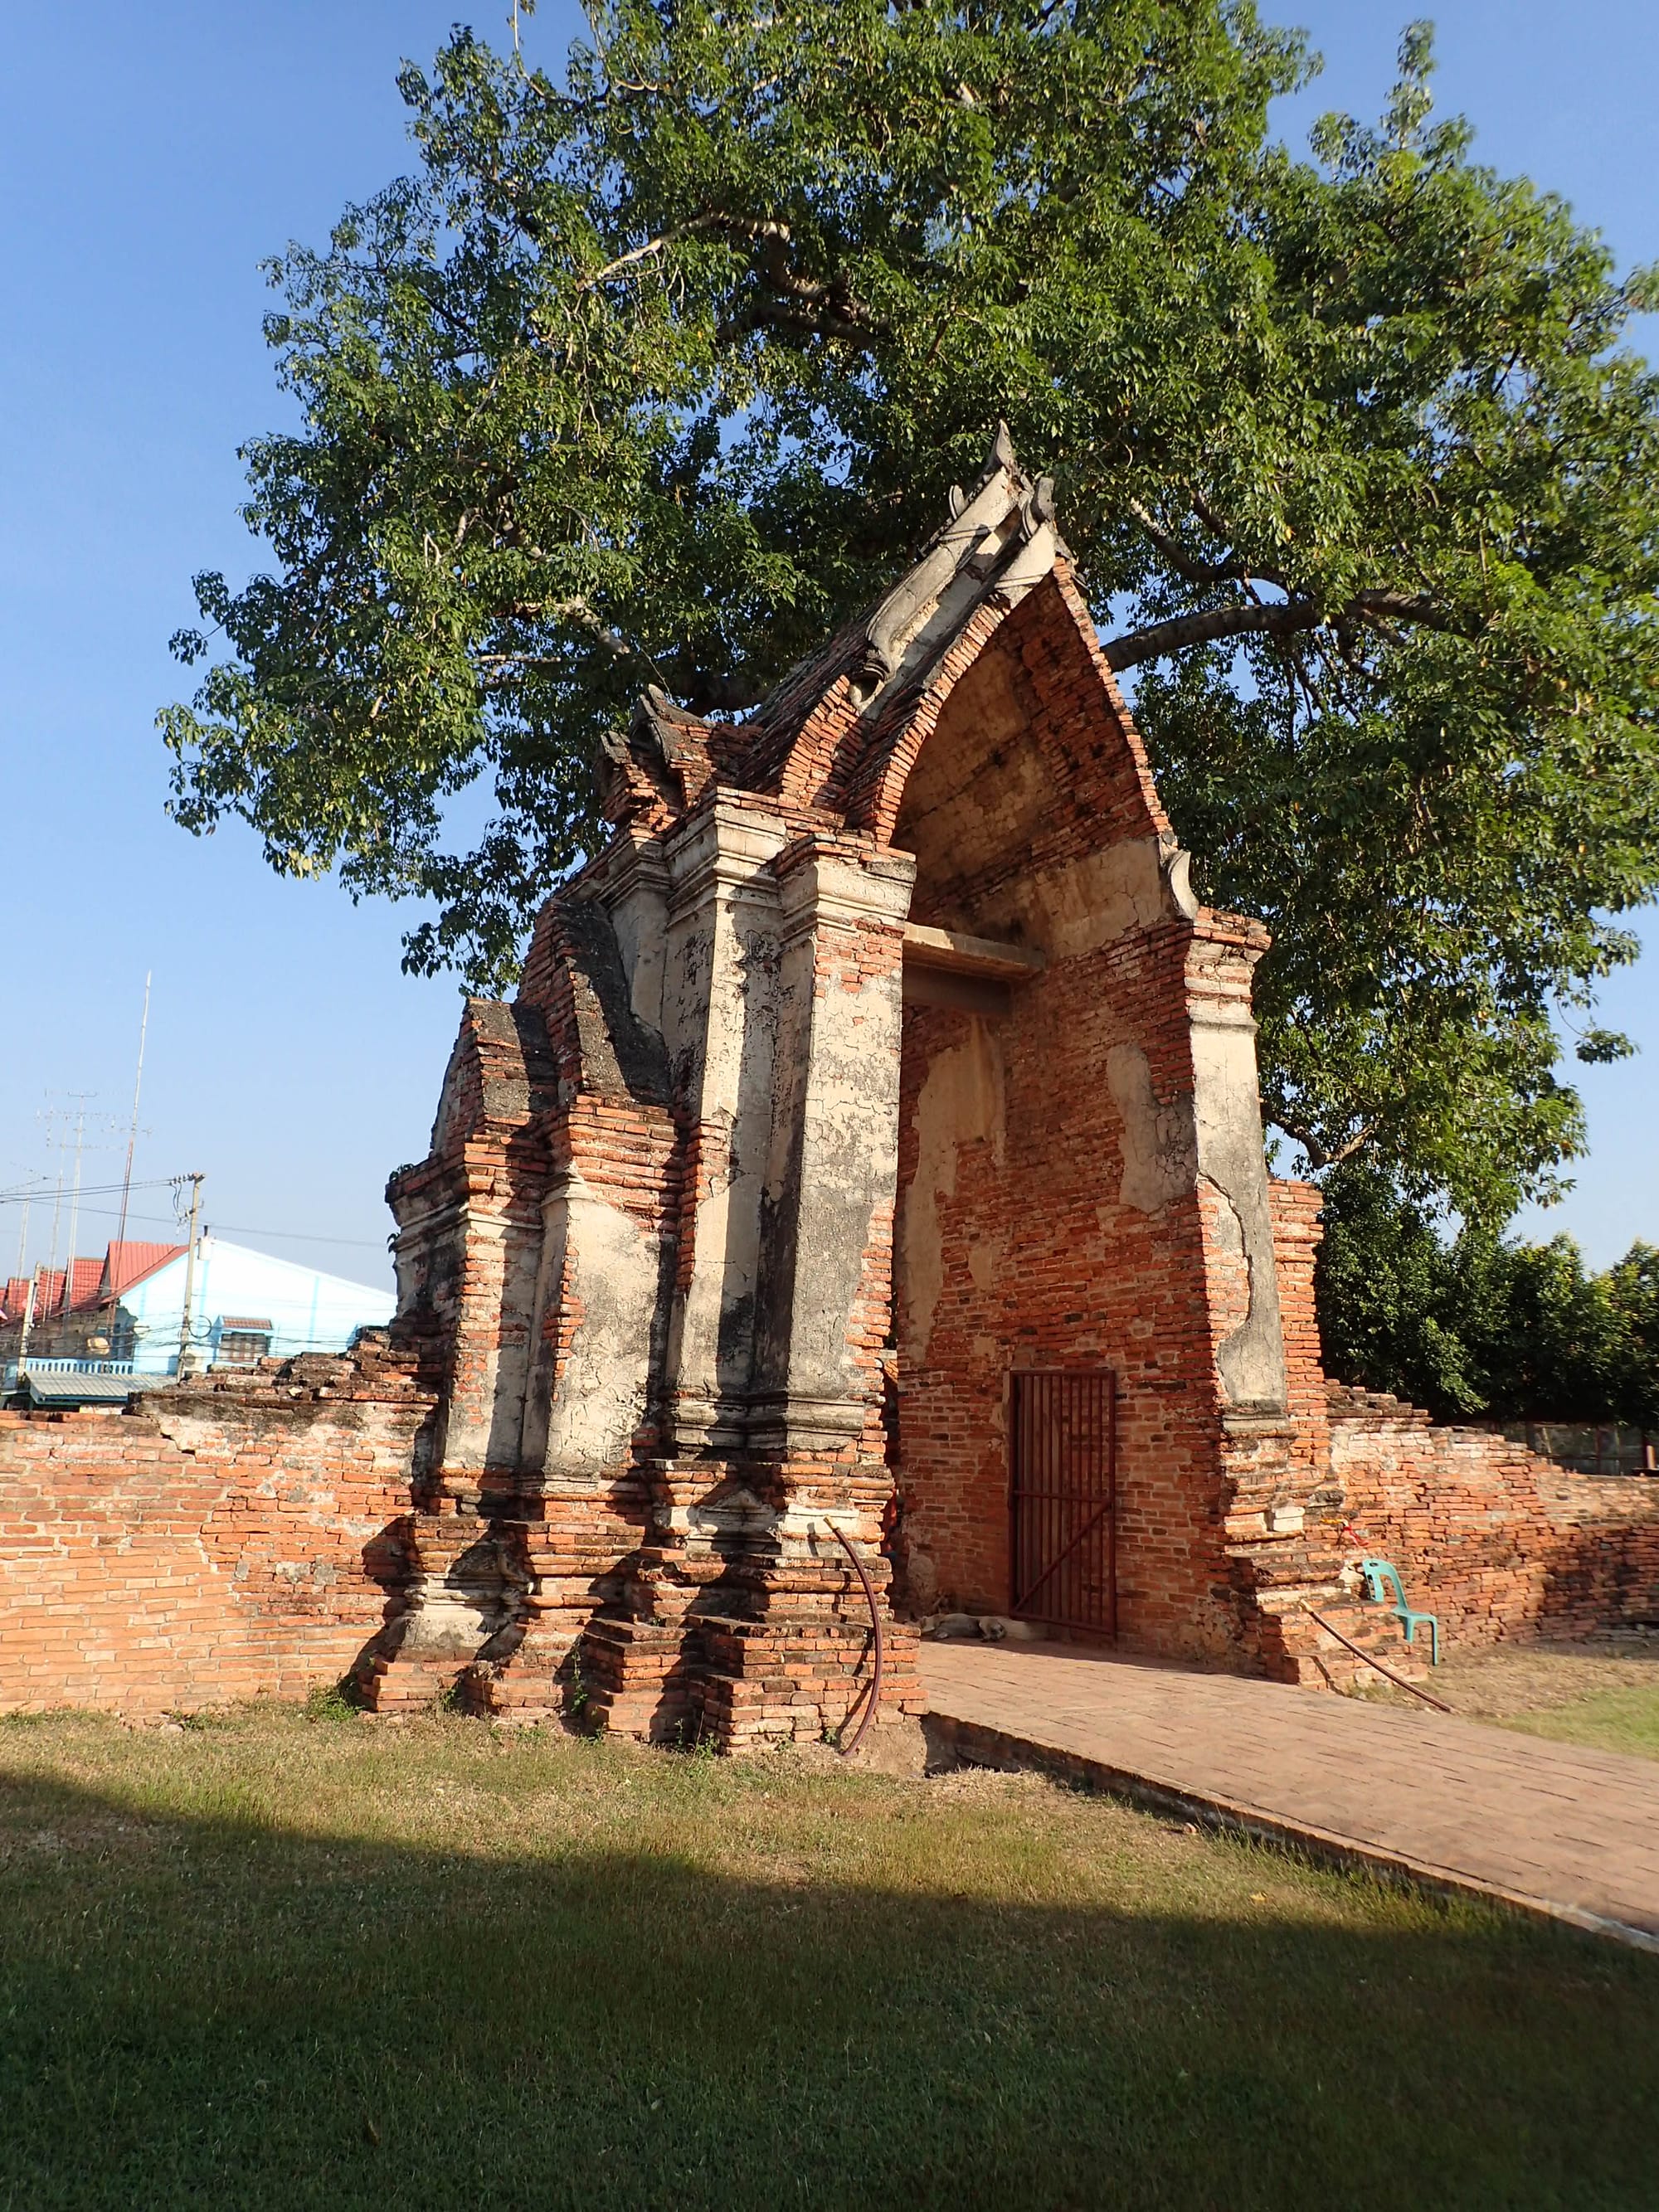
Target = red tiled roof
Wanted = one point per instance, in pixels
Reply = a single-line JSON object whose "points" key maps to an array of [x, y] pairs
{"points": [[94, 1282], [128, 1263], [83, 1288]]}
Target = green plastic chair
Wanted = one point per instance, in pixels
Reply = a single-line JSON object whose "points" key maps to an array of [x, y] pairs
{"points": [[1383, 1583]]}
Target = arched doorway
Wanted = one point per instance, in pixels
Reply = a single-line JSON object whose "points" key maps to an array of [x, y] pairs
{"points": [[1053, 1308]]}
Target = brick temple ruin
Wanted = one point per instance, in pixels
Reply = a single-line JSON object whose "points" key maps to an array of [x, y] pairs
{"points": [[862, 1207]]}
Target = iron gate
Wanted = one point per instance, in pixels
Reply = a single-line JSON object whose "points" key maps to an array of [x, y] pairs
{"points": [[1062, 1495]]}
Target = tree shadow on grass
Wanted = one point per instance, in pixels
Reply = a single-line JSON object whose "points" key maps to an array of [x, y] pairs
{"points": [[217, 2011]]}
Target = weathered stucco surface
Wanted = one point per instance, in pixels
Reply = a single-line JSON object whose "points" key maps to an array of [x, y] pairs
{"points": [[833, 1164], [1227, 1118], [1158, 1143], [961, 1102], [605, 1274]]}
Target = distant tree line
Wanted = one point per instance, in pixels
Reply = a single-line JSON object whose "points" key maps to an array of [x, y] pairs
{"points": [[1479, 1326]]}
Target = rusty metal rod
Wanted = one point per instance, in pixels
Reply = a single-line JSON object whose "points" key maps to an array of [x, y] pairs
{"points": [[863, 1573], [1399, 1680]]}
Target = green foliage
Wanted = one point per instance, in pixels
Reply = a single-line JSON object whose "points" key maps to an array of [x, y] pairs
{"points": [[1478, 1326], [1633, 1287], [334, 1701], [654, 372], [1388, 1320]]}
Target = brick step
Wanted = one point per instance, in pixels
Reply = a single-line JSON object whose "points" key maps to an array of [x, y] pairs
{"points": [[409, 1686], [1377, 1634], [660, 1716], [744, 1711]]}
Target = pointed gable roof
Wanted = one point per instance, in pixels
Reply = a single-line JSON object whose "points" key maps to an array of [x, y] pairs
{"points": [[997, 542], [835, 743], [129, 1261]]}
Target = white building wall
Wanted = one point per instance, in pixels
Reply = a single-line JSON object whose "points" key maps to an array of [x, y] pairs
{"points": [[308, 1310]]}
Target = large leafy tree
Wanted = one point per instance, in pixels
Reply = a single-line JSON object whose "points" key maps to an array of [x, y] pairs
{"points": [[1480, 1326], [655, 370]]}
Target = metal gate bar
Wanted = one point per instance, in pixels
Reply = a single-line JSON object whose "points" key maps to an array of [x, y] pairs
{"points": [[1062, 1497]]}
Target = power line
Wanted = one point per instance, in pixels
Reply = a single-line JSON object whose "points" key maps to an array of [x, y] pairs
{"points": [[304, 1236], [21, 1194], [241, 1229]]}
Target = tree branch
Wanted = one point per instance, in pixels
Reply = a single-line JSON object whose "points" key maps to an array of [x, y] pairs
{"points": [[800, 322], [721, 695], [1283, 619], [1158, 640], [1318, 1158], [1231, 571], [711, 219], [803, 307]]}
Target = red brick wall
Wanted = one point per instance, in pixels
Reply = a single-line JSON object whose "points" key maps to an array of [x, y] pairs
{"points": [[1079, 716], [1016, 1212], [223, 1547], [1296, 1208], [1498, 1542], [1039, 1267]]}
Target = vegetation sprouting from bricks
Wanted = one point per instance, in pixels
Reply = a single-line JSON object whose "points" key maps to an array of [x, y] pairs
{"points": [[650, 373]]}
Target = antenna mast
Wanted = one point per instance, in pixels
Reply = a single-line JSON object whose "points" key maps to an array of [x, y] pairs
{"points": [[57, 1214], [132, 1133], [75, 1202]]}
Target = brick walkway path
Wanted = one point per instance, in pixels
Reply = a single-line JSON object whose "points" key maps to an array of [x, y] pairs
{"points": [[1544, 1826]]}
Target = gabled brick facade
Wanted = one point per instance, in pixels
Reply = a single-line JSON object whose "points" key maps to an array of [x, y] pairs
{"points": [[883, 1051]]}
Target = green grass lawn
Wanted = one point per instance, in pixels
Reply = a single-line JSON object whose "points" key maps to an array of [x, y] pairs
{"points": [[1611, 1720], [295, 1962]]}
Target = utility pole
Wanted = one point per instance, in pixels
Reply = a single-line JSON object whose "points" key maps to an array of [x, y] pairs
{"points": [[28, 1320], [132, 1133], [195, 1183]]}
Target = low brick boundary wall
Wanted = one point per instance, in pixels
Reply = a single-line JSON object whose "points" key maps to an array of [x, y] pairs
{"points": [[250, 1536], [233, 1539], [1497, 1542]]}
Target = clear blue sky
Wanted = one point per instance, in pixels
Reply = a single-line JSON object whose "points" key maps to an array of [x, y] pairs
{"points": [[149, 157]]}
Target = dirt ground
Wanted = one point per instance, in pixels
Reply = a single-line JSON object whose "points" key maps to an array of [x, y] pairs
{"points": [[1602, 1692], [1511, 1679]]}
